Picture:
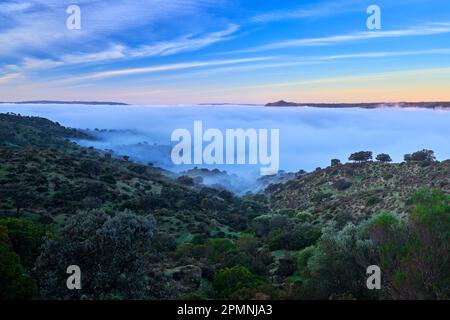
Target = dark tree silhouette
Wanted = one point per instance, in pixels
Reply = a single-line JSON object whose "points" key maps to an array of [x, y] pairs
{"points": [[419, 156], [361, 156], [384, 157], [20, 195], [335, 162]]}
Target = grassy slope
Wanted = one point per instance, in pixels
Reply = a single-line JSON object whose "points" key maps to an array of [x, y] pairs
{"points": [[58, 178], [359, 190]]}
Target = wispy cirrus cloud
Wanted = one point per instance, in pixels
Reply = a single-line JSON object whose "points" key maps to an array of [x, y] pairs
{"points": [[239, 65], [424, 30], [162, 68], [14, 7], [183, 44], [9, 77], [383, 54], [323, 9], [34, 37], [290, 62], [40, 25], [367, 78]]}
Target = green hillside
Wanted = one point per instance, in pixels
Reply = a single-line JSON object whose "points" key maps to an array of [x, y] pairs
{"points": [[137, 233]]}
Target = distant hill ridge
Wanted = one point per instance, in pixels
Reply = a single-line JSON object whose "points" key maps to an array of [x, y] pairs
{"points": [[70, 102], [425, 105]]}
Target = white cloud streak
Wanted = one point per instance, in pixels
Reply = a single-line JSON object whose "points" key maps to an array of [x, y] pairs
{"points": [[354, 79], [425, 30], [41, 24], [184, 44], [9, 77], [118, 51], [166, 67], [286, 62], [324, 9]]}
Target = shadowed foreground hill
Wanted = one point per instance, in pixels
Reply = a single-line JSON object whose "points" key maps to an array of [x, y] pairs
{"points": [[359, 189], [47, 178]]}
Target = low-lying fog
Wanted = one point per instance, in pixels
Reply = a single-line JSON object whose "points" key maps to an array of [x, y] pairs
{"points": [[309, 137]]}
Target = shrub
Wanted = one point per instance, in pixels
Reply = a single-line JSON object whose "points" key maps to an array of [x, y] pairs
{"points": [[373, 200], [230, 280], [15, 283], [113, 254], [415, 251], [185, 180], [342, 184], [26, 239], [326, 267], [335, 162]]}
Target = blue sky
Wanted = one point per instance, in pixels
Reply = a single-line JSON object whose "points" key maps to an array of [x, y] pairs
{"points": [[200, 51]]}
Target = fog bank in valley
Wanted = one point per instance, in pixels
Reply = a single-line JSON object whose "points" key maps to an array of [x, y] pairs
{"points": [[309, 137]]}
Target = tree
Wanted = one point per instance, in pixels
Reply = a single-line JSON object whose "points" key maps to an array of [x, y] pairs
{"points": [[325, 267], [247, 243], [361, 156], [384, 157], [113, 254], [335, 162], [294, 238], [186, 180], [216, 250], [414, 251], [342, 184], [15, 283], [286, 266], [21, 195], [26, 239], [421, 156]]}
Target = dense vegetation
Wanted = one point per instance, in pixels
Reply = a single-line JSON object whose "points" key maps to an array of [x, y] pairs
{"points": [[137, 233]]}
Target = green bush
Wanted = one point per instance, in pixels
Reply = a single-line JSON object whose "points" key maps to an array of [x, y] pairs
{"points": [[26, 239], [373, 200], [230, 280], [15, 283], [113, 254], [414, 251]]}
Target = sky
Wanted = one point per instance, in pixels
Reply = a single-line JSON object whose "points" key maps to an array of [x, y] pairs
{"points": [[161, 52]]}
